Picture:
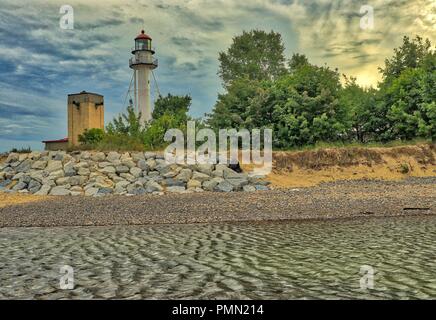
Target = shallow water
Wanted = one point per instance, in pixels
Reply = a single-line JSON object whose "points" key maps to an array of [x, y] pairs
{"points": [[292, 260]]}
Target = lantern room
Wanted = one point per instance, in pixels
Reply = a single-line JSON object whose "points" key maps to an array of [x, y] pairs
{"points": [[143, 42]]}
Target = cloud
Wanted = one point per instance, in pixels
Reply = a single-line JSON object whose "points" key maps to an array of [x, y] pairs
{"points": [[40, 63]]}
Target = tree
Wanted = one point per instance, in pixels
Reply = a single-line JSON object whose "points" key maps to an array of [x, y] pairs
{"points": [[254, 55], [127, 124], [297, 60], [411, 54], [91, 136], [173, 105]]}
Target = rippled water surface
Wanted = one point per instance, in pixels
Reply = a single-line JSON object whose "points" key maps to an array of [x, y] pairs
{"points": [[292, 260]]}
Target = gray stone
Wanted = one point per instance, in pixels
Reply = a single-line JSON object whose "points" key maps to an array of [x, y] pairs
{"points": [[62, 181], [200, 176], [128, 163], [59, 191], [18, 176], [137, 156], [230, 174], [105, 191], [59, 156], [45, 189], [249, 188], [12, 157], [122, 169], [34, 186], [19, 186], [261, 188], [108, 170], [39, 165], [57, 174], [5, 183], [211, 184], [138, 191], [176, 189], [153, 186], [26, 179], [69, 169], [128, 177], [192, 184], [83, 172], [142, 164], [24, 166], [153, 174], [136, 172], [76, 180], [91, 191], [205, 168], [122, 184], [173, 183], [54, 165], [104, 164], [184, 175], [99, 156], [224, 186], [151, 163], [238, 183], [113, 156], [149, 155]]}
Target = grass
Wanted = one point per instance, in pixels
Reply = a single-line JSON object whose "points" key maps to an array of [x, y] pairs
{"points": [[22, 150]]}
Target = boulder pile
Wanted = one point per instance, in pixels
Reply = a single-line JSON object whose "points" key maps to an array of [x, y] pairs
{"points": [[99, 174]]}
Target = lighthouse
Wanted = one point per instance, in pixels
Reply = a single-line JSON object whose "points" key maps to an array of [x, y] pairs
{"points": [[142, 63]]}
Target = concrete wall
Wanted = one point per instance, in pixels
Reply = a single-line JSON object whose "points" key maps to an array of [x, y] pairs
{"points": [[85, 111], [56, 146]]}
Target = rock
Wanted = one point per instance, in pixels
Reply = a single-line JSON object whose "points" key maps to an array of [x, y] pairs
{"points": [[128, 177], [76, 189], [34, 186], [83, 172], [128, 163], [90, 192], [153, 186], [56, 175], [261, 188], [104, 164], [151, 163], [218, 173], [205, 168], [23, 156], [54, 165], [150, 155], [173, 183], [69, 169], [19, 186], [138, 191], [45, 189], [49, 182], [249, 188], [113, 156], [211, 184], [224, 186], [108, 170], [200, 176], [192, 184], [18, 176], [35, 155], [62, 181], [2, 176], [230, 174], [12, 157], [170, 174], [136, 172], [76, 180], [137, 156], [176, 189], [59, 156], [59, 191], [99, 156], [85, 155], [24, 166], [104, 191], [184, 175], [39, 165], [142, 164], [238, 183], [122, 169], [5, 183]]}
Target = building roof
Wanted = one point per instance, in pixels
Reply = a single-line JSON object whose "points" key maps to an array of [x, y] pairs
{"points": [[143, 36], [54, 141], [85, 92]]}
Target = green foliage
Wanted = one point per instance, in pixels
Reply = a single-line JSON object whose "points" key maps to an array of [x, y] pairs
{"points": [[91, 136], [254, 55], [307, 104], [21, 150], [128, 124], [177, 106]]}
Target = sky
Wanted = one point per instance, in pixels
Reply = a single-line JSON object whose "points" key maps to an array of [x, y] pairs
{"points": [[41, 63]]}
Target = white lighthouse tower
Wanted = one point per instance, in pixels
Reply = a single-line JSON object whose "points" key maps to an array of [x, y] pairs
{"points": [[143, 63]]}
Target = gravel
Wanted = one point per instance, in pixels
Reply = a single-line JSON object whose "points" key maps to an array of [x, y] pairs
{"points": [[327, 201]]}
